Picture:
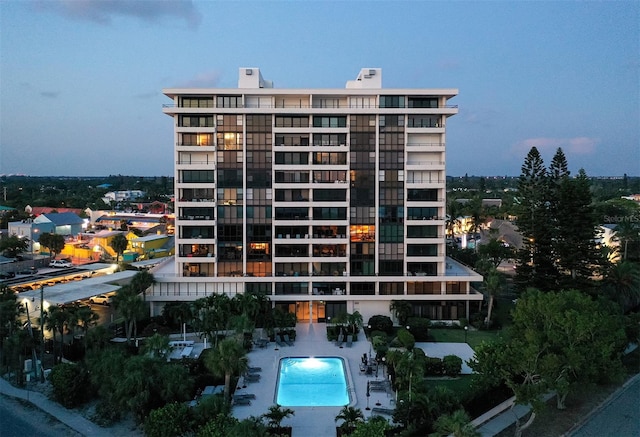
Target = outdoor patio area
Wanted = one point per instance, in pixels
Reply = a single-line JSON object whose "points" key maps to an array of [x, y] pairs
{"points": [[312, 340]]}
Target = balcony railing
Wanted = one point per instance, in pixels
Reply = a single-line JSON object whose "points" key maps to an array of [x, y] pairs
{"points": [[312, 106]]}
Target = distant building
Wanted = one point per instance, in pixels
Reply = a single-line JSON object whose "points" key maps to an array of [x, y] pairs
{"points": [[327, 200], [123, 196], [66, 223]]}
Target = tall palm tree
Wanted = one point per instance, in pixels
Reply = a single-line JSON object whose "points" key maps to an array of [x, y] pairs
{"points": [[350, 417], [454, 210], [456, 424], [227, 359], [626, 232], [212, 314], [157, 345], [56, 320], [493, 285], [141, 281], [85, 318], [131, 308]]}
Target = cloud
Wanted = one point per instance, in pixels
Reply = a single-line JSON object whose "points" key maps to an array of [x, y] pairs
{"points": [[208, 79], [574, 146], [49, 94], [103, 11]]}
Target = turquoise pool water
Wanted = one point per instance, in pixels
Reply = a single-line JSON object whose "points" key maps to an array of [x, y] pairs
{"points": [[312, 382]]}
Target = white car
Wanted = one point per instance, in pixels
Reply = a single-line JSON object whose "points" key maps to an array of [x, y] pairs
{"points": [[101, 299], [60, 263]]}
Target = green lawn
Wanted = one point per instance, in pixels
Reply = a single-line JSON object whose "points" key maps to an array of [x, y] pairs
{"points": [[456, 335]]}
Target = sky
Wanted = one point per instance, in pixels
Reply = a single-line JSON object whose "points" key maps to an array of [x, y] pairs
{"points": [[81, 81]]}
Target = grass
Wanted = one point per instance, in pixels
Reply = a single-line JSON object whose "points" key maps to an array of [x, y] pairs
{"points": [[456, 335]]}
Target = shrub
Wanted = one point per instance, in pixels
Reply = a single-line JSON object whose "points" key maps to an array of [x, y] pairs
{"points": [[171, 420], [433, 366], [379, 343], [406, 339], [452, 365], [70, 384], [419, 328], [381, 323]]}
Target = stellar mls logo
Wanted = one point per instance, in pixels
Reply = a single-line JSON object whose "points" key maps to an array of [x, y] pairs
{"points": [[621, 219]]}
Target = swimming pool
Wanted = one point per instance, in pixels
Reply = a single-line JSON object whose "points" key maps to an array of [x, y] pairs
{"points": [[312, 382]]}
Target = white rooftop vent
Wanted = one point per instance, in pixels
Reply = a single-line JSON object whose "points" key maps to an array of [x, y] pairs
{"points": [[248, 72]]}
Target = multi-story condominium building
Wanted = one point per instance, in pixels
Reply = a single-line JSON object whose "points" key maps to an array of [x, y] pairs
{"points": [[327, 200]]}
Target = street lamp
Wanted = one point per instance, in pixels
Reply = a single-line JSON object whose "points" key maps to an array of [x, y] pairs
{"points": [[466, 329], [368, 394]]}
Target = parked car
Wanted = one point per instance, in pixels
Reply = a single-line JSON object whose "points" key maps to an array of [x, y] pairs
{"points": [[7, 275], [60, 263], [31, 271], [101, 299]]}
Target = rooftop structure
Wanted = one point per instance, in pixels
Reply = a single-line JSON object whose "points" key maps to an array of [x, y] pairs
{"points": [[327, 200]]}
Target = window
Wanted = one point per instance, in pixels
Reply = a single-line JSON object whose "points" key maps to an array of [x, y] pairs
{"points": [[392, 288], [392, 101], [229, 101], [292, 140], [329, 195], [228, 178], [422, 250], [329, 213], [422, 231], [391, 268], [292, 121], [195, 121], [423, 102], [196, 102], [329, 121], [330, 158], [391, 233], [363, 288], [426, 213], [424, 195], [197, 139], [197, 176], [329, 139], [292, 158]]}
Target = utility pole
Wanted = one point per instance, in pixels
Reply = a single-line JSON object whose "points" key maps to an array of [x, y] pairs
{"points": [[41, 333]]}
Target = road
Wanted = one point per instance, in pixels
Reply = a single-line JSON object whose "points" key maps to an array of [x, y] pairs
{"points": [[19, 419], [620, 416]]}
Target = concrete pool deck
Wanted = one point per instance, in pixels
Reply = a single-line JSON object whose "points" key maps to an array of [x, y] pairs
{"points": [[311, 340]]}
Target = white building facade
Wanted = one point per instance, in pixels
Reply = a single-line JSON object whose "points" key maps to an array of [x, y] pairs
{"points": [[327, 200]]}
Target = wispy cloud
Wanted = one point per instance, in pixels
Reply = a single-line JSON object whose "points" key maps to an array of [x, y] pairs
{"points": [[103, 11], [207, 79], [574, 146], [50, 94], [449, 64]]}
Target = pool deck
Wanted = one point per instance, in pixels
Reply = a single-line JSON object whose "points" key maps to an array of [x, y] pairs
{"points": [[312, 340]]}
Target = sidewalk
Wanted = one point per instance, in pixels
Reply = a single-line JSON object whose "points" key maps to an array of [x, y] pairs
{"points": [[70, 418]]}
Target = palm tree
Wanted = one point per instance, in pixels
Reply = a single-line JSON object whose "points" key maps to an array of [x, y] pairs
{"points": [[86, 318], [622, 284], [276, 415], [493, 286], [212, 314], [141, 282], [157, 345], [227, 359], [131, 308], [351, 417], [56, 320], [402, 309], [119, 244], [251, 426], [454, 209], [354, 321], [456, 424], [626, 232]]}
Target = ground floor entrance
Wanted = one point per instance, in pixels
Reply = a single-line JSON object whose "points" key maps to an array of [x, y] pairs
{"points": [[313, 311]]}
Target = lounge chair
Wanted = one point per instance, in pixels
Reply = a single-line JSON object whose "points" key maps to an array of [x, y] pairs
{"points": [[252, 377], [244, 396], [241, 401], [286, 339], [349, 340], [340, 340], [382, 411], [254, 369]]}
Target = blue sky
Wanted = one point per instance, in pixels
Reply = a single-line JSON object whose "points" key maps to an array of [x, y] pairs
{"points": [[81, 81]]}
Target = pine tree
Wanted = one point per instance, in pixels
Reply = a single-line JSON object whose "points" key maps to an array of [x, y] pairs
{"points": [[535, 260], [575, 224]]}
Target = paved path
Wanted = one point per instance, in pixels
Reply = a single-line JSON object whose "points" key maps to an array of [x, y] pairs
{"points": [[70, 418], [619, 415]]}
